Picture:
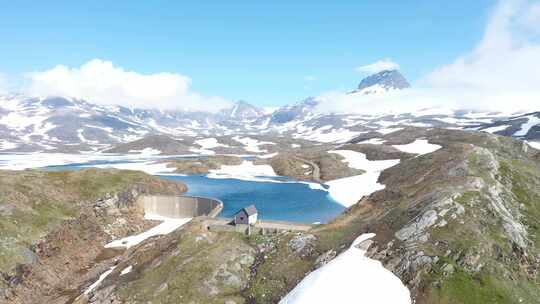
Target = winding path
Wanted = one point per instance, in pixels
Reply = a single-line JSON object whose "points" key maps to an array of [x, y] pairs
{"points": [[316, 174]]}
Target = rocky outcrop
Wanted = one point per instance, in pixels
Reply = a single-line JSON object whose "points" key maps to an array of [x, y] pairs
{"points": [[203, 165], [190, 265], [72, 254], [314, 164]]}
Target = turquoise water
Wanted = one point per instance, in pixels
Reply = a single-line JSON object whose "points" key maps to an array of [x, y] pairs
{"points": [[277, 198], [284, 201]]}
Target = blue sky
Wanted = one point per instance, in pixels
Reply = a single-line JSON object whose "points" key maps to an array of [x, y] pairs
{"points": [[259, 51]]}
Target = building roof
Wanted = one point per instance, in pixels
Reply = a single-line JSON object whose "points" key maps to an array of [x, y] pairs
{"points": [[250, 210]]}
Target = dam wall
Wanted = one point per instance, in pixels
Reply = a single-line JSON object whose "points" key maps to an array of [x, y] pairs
{"points": [[180, 206]]}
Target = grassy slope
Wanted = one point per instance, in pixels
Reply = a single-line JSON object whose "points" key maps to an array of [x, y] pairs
{"points": [[505, 276], [34, 202]]}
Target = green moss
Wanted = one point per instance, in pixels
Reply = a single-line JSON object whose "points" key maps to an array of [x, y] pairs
{"points": [[462, 287], [524, 181]]}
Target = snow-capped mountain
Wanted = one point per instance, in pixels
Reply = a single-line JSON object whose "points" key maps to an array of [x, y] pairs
{"points": [[526, 126], [242, 110], [59, 124], [383, 81]]}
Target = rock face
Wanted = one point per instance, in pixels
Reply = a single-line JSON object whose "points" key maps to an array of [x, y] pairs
{"points": [[389, 79], [303, 244]]}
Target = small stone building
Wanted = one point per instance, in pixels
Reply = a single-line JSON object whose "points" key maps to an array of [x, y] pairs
{"points": [[246, 216]]}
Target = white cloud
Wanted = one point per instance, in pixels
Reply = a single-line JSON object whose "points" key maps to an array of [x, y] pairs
{"points": [[502, 73], [101, 82], [507, 57], [310, 78], [378, 66], [3, 84]]}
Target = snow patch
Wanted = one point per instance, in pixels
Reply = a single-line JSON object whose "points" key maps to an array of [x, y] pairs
{"points": [[268, 155], [419, 146], [335, 135], [534, 144], [531, 121], [245, 171], [495, 129], [349, 190], [100, 279], [373, 141], [126, 270], [351, 277], [146, 151], [207, 144], [388, 130], [167, 226], [150, 167], [252, 145]]}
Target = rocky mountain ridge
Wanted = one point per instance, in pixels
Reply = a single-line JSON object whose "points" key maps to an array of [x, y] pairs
{"points": [[59, 124]]}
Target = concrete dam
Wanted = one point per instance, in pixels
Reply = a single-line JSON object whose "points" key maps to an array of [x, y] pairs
{"points": [[180, 206]]}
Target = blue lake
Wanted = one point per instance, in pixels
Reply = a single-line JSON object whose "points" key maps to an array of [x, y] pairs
{"points": [[284, 201], [278, 198]]}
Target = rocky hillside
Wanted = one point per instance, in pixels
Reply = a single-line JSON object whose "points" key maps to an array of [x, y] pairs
{"points": [[458, 225], [233, 145], [54, 226]]}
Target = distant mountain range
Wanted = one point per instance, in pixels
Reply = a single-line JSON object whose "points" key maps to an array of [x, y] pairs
{"points": [[61, 124]]}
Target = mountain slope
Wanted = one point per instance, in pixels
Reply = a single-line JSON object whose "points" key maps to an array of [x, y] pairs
{"points": [[458, 225], [57, 124], [242, 111]]}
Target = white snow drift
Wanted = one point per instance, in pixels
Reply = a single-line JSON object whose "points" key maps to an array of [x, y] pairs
{"points": [[419, 146], [245, 171], [350, 278], [167, 226], [252, 145], [206, 145], [349, 190], [531, 121]]}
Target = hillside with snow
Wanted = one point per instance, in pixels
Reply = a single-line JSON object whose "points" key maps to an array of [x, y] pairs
{"points": [[62, 124]]}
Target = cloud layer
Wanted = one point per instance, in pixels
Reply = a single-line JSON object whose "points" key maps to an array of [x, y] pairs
{"points": [[502, 73], [378, 66], [3, 84], [101, 82]]}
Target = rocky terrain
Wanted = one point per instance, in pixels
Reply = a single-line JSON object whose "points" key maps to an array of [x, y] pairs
{"points": [[313, 163], [458, 225], [261, 145], [203, 165], [54, 226]]}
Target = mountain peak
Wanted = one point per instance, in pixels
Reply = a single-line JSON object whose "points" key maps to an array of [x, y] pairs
{"points": [[243, 110], [387, 79]]}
